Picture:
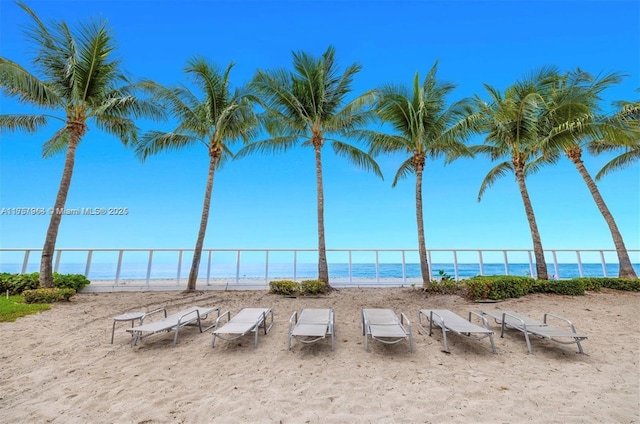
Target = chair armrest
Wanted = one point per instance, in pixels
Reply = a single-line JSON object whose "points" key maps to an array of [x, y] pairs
{"points": [[148, 314], [403, 318], [222, 315], [436, 314], [573, 328], [293, 320], [485, 323], [187, 314]]}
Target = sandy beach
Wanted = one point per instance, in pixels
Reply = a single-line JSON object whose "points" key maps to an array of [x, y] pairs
{"points": [[59, 366]]}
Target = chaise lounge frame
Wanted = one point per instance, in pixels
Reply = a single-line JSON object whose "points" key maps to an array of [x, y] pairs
{"points": [[313, 325], [247, 320], [541, 329], [189, 316], [384, 326], [450, 321]]}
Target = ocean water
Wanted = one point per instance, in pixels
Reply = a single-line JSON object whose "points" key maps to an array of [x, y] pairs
{"points": [[138, 271]]}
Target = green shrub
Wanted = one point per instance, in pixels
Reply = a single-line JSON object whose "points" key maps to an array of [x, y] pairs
{"points": [[477, 288], [18, 283], [312, 287], [498, 287], [47, 295], [621, 284], [70, 281], [574, 287], [285, 287]]}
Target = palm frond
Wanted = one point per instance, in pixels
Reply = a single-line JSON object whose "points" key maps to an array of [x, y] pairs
{"points": [[494, 174], [28, 123], [622, 161], [405, 169], [16, 81], [269, 146], [56, 144], [356, 156], [153, 142]]}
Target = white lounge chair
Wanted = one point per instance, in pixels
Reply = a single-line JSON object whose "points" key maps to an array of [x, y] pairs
{"points": [[312, 326], [192, 315], [384, 326], [246, 321], [537, 328], [450, 321]]}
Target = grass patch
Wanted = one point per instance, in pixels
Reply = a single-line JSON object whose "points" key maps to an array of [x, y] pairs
{"points": [[14, 307]]}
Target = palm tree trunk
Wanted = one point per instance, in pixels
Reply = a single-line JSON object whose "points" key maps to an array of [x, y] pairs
{"points": [[541, 265], [204, 219], [46, 260], [422, 246], [626, 269], [323, 270]]}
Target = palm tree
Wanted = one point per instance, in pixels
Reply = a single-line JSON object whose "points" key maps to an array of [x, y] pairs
{"points": [[514, 123], [628, 113], [216, 119], [307, 105], [424, 128], [582, 127], [81, 80]]}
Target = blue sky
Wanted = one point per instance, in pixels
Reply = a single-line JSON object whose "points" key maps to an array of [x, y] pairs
{"points": [[270, 201]]}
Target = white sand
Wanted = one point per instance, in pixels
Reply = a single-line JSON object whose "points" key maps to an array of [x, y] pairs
{"points": [[58, 366]]}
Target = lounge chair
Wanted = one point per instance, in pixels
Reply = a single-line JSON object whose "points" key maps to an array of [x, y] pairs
{"points": [[246, 321], [192, 315], [537, 328], [449, 321], [384, 326], [312, 325]]}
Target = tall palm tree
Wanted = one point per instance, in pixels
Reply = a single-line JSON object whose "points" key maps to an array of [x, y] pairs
{"points": [[219, 117], [514, 123], [79, 79], [425, 127], [581, 126], [307, 105]]}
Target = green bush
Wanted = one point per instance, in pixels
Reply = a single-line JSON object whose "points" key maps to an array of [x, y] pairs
{"points": [[18, 283], [70, 281], [312, 287], [444, 286], [621, 284], [285, 287], [47, 295], [574, 287], [498, 287]]}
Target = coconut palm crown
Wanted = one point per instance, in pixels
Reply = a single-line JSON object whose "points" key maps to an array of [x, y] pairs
{"points": [[215, 117], [307, 106], [78, 82]]}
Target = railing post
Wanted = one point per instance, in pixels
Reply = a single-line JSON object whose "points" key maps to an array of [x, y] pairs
{"points": [[430, 264], [555, 265], [209, 266], [377, 267], [238, 267], [480, 262], [455, 265], [295, 264], [88, 264], [350, 270], [119, 266], [404, 271], [25, 263], [506, 262], [149, 266], [531, 264], [266, 268], [579, 263], [604, 264], [180, 266], [57, 264]]}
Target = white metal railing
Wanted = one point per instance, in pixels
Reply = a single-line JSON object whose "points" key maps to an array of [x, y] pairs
{"points": [[454, 264]]}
